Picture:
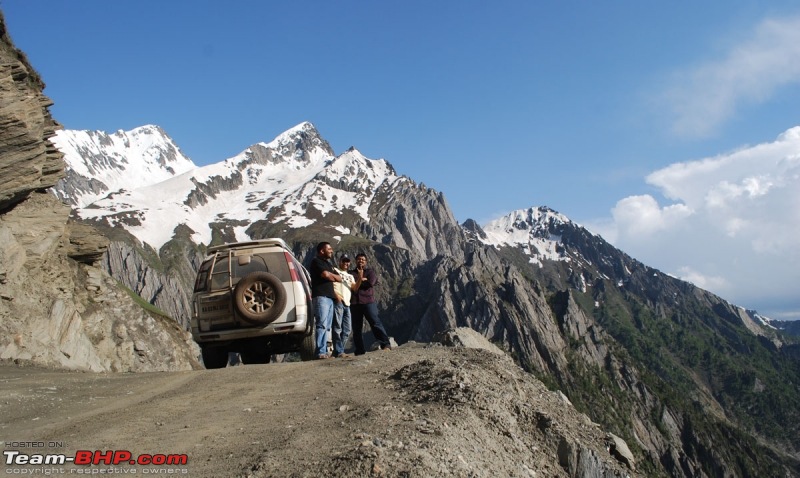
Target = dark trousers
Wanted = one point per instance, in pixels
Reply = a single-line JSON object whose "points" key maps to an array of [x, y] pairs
{"points": [[370, 312]]}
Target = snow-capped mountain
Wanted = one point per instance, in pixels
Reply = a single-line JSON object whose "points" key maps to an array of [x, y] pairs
{"points": [[99, 163], [295, 179], [566, 252]]}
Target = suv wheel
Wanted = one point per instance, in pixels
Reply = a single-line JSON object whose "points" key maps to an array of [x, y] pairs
{"points": [[308, 347], [259, 297], [214, 357]]}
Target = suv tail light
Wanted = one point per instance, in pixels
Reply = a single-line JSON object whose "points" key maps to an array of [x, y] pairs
{"points": [[295, 275]]}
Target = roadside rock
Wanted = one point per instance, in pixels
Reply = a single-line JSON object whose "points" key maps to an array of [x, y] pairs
{"points": [[619, 450], [86, 244], [466, 337], [55, 311]]}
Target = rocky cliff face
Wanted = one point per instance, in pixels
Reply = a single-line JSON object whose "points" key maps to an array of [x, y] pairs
{"points": [[56, 307], [27, 162], [404, 215]]}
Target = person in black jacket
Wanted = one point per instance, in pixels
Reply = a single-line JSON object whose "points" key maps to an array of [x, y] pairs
{"points": [[362, 305], [322, 294]]}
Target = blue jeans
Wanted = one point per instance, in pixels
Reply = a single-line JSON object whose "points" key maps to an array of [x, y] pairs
{"points": [[369, 312], [323, 310], [342, 323]]}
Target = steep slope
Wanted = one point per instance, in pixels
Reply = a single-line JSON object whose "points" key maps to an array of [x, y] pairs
{"points": [[674, 354], [27, 163]]}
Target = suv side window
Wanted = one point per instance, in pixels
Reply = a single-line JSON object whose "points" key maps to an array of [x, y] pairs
{"points": [[219, 278], [201, 283]]}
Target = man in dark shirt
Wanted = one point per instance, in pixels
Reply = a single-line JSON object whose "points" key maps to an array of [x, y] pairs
{"points": [[322, 294], [362, 305]]}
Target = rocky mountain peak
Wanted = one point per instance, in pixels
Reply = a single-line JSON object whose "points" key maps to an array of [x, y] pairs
{"points": [[538, 230], [354, 172], [474, 229], [535, 220], [300, 146]]}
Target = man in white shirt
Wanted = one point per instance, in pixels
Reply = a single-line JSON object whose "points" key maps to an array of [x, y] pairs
{"points": [[342, 321]]}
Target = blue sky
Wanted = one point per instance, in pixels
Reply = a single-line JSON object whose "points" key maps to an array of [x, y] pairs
{"points": [[655, 124]]}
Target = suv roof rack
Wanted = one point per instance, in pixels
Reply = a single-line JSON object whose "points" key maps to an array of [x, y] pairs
{"points": [[239, 245]]}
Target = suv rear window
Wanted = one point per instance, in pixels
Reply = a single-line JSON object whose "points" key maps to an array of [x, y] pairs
{"points": [[242, 264]]}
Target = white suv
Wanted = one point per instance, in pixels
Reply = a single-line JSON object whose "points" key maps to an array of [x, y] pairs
{"points": [[252, 298]]}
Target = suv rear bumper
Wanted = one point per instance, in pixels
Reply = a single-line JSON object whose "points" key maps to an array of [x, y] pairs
{"points": [[299, 326]]}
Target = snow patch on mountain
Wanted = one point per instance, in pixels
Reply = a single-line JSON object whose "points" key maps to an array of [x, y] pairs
{"points": [[98, 163], [532, 229]]}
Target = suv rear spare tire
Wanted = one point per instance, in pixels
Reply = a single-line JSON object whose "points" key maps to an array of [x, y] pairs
{"points": [[259, 297]]}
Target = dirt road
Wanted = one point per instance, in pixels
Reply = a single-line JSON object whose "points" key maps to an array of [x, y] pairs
{"points": [[414, 411]]}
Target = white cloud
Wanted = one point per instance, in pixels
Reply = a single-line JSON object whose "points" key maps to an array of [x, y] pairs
{"points": [[702, 98], [700, 280], [642, 216], [733, 226]]}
